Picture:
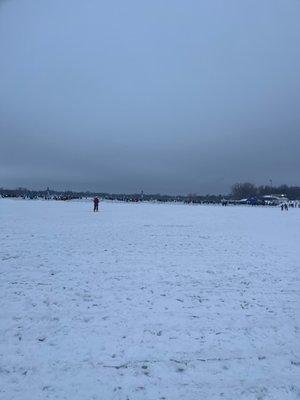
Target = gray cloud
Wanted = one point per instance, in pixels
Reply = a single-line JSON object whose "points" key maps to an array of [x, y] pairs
{"points": [[161, 96]]}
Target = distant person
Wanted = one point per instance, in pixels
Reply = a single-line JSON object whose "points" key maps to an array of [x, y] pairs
{"points": [[96, 204], [286, 207], [282, 207]]}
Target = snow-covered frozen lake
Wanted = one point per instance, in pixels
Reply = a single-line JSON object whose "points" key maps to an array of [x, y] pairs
{"points": [[146, 301]]}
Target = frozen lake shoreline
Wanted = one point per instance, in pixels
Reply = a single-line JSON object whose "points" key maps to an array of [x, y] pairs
{"points": [[146, 301]]}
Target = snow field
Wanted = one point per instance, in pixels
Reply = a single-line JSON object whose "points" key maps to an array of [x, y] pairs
{"points": [[148, 301]]}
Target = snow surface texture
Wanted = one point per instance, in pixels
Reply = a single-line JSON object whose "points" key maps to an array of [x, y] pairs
{"points": [[146, 301]]}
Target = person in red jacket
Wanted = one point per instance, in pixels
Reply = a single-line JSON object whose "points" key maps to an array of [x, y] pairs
{"points": [[96, 203]]}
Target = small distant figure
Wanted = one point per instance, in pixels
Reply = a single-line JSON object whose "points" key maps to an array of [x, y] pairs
{"points": [[96, 204], [282, 207], [286, 207]]}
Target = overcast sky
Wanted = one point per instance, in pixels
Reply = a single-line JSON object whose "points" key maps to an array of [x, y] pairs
{"points": [[167, 96]]}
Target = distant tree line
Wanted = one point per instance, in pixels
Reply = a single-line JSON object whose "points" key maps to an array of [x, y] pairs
{"points": [[69, 194], [134, 197], [238, 191], [245, 190]]}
